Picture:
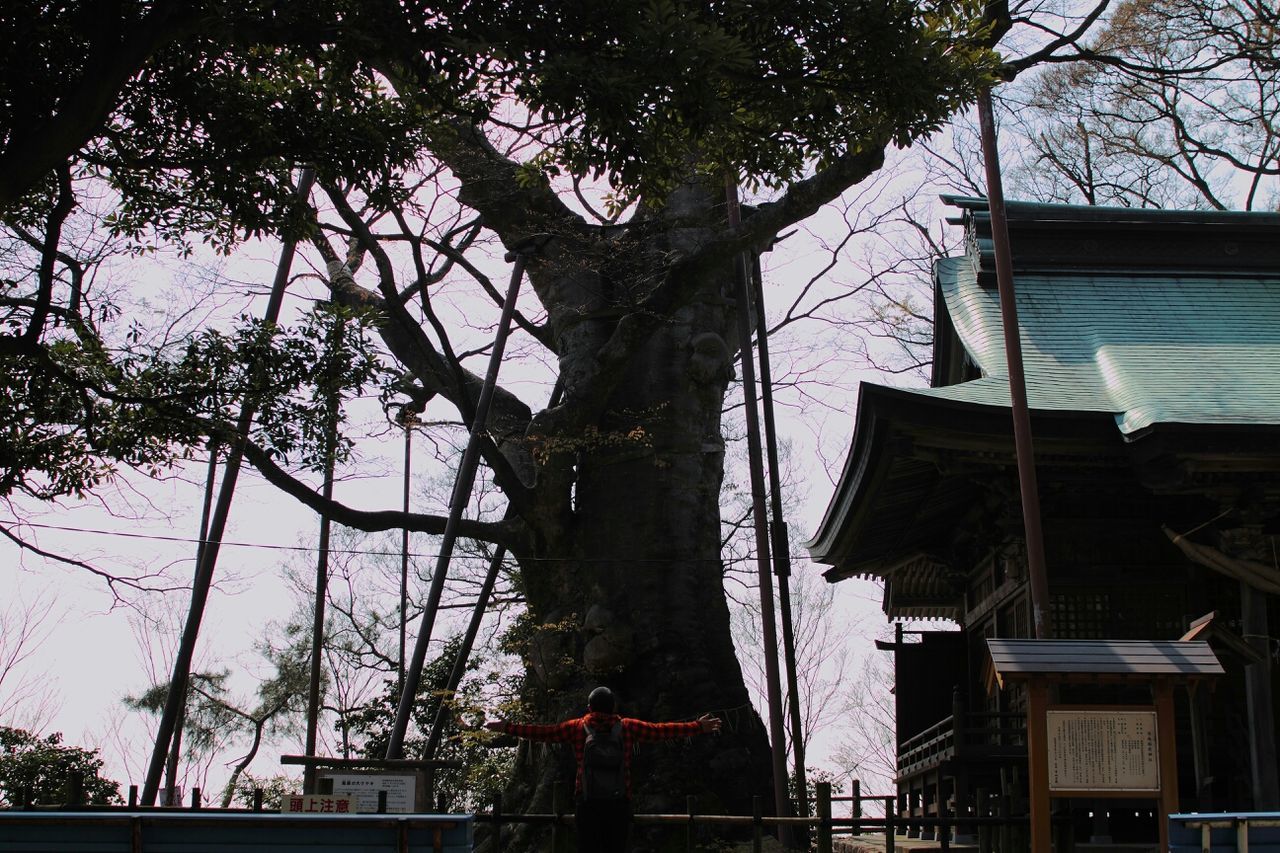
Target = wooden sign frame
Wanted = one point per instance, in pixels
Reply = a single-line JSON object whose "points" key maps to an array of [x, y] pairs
{"points": [[1038, 708]]}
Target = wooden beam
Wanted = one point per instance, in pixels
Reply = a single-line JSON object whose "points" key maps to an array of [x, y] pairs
{"points": [[1163, 691], [1038, 765]]}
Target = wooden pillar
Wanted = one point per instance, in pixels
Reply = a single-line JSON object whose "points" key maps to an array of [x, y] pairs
{"points": [[1038, 764], [1163, 691], [1199, 706], [1262, 735]]}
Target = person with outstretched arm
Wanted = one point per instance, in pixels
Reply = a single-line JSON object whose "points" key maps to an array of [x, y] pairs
{"points": [[602, 745]]}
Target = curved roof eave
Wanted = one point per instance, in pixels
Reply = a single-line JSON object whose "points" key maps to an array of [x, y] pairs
{"points": [[882, 411]]}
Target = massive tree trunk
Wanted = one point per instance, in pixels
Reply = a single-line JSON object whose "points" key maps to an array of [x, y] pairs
{"points": [[624, 585]]}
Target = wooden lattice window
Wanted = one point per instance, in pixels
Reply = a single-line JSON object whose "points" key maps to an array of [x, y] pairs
{"points": [[1128, 612]]}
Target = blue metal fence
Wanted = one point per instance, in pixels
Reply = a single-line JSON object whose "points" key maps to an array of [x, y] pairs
{"points": [[156, 831], [1246, 832]]}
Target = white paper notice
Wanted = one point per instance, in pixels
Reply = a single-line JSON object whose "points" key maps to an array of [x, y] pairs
{"points": [[364, 788], [1103, 751]]}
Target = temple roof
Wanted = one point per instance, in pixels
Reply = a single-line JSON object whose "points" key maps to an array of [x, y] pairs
{"points": [[1147, 349], [1143, 320], [1156, 316]]}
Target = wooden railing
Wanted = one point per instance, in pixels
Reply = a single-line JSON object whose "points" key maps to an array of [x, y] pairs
{"points": [[991, 830], [971, 733]]}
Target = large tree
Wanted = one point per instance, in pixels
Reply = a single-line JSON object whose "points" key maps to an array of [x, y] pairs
{"points": [[435, 131]]}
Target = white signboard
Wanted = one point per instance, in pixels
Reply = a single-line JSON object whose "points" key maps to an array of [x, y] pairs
{"points": [[363, 788], [1103, 751]]}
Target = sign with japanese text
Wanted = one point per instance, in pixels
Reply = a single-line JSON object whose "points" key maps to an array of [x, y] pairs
{"points": [[1103, 751], [317, 804], [363, 789]]}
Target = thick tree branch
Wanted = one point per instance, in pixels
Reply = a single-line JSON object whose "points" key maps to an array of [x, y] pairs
{"points": [[804, 198], [510, 533], [509, 417], [514, 209]]}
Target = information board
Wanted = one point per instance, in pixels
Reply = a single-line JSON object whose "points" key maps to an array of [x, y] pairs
{"points": [[1103, 751], [363, 788]]}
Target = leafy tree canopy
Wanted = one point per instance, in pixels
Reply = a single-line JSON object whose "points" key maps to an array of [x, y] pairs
{"points": [[194, 111], [41, 766], [639, 92]]}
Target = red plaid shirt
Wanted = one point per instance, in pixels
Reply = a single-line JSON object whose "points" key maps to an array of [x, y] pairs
{"points": [[574, 732]]}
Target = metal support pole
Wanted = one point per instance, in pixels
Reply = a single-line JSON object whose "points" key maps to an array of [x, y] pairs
{"points": [[1037, 572], [781, 545], [457, 503], [777, 734], [217, 526]]}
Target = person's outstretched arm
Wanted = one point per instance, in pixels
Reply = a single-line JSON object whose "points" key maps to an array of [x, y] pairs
{"points": [[546, 732], [642, 730]]}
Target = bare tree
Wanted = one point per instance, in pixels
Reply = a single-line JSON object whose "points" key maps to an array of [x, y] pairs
{"points": [[27, 698]]}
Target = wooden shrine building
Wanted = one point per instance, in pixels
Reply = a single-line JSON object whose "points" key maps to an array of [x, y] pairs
{"points": [[1151, 342]]}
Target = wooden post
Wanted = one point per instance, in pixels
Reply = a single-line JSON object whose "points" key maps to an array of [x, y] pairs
{"points": [[823, 791], [1199, 702], [982, 809], [1024, 453], [1260, 703], [1003, 831], [195, 799], [690, 803], [133, 796], [855, 807], [497, 821], [757, 824], [1163, 691], [1038, 764], [557, 809]]}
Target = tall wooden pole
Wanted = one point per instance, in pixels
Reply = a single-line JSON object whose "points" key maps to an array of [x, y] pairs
{"points": [[322, 573], [444, 712], [781, 544], [1037, 572], [409, 419], [777, 734], [171, 797], [203, 581]]}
